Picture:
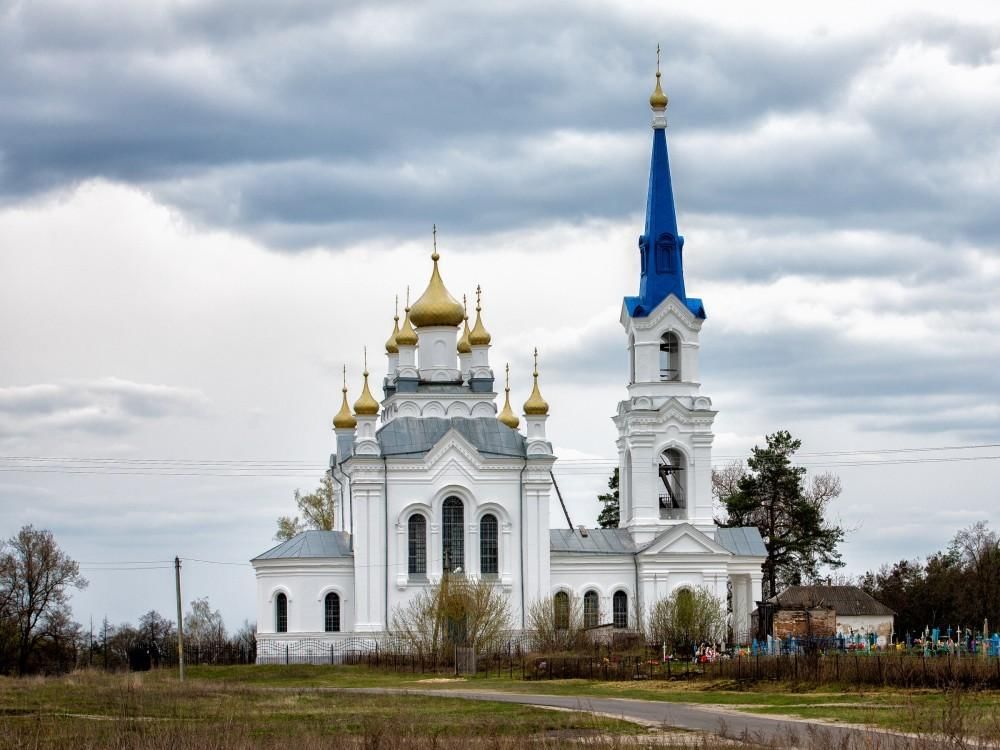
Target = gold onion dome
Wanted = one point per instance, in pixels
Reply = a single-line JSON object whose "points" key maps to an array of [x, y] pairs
{"points": [[406, 336], [507, 416], [479, 335], [436, 307], [391, 347], [658, 100], [343, 418], [464, 347], [366, 405], [536, 405]]}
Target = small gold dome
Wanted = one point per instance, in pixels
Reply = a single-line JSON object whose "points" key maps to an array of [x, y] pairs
{"points": [[536, 405], [391, 347], [507, 416], [479, 335], [366, 405], [344, 419], [436, 307], [464, 347], [658, 100], [406, 336]]}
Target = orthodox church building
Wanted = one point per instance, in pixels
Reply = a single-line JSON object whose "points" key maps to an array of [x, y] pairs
{"points": [[435, 479]]}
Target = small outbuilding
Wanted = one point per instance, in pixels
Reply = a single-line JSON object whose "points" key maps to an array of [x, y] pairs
{"points": [[826, 611]]}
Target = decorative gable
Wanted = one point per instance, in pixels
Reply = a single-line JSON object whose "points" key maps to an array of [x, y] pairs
{"points": [[683, 539]]}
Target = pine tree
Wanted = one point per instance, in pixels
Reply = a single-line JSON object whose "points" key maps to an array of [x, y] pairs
{"points": [[772, 496], [611, 512]]}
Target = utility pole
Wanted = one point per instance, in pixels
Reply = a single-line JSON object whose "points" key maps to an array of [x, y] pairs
{"points": [[180, 618]]}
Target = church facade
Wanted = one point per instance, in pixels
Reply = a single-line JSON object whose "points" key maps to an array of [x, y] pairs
{"points": [[435, 479]]}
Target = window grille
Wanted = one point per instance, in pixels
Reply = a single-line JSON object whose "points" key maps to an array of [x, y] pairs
{"points": [[489, 543], [620, 609], [332, 619], [590, 609], [560, 607], [281, 614], [417, 544], [453, 536]]}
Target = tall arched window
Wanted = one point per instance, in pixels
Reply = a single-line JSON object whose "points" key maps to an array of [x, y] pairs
{"points": [[560, 610], [619, 607], [670, 356], [590, 609], [416, 541], [331, 611], [673, 495], [281, 613], [489, 546], [453, 536]]}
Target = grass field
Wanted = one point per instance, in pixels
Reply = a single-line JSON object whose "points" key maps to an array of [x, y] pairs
{"points": [[93, 709], [921, 711], [231, 708]]}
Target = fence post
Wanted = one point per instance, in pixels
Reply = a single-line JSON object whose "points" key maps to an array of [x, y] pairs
{"points": [[286, 653]]}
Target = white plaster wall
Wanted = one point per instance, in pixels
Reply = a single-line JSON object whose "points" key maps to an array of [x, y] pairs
{"points": [[305, 582], [576, 574]]}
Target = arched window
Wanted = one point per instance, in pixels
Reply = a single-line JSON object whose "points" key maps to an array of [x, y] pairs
{"points": [[281, 614], [619, 606], [560, 610], [453, 536], [673, 496], [331, 619], [670, 356], [489, 546], [416, 531], [590, 609]]}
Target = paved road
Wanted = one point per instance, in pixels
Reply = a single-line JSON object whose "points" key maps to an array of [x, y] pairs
{"points": [[725, 722]]}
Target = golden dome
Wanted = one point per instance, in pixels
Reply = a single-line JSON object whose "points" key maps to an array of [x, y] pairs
{"points": [[366, 405], [391, 347], [658, 100], [436, 307], [479, 335], [406, 336], [344, 419], [507, 416], [535, 405], [464, 347]]}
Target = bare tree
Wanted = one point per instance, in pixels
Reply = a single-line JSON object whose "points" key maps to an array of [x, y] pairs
{"points": [[687, 617], [557, 623], [454, 612], [203, 625], [35, 578], [725, 484]]}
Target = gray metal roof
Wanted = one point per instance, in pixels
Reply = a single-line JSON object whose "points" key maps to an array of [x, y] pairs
{"points": [[597, 541], [312, 544], [844, 600], [741, 540], [416, 436]]}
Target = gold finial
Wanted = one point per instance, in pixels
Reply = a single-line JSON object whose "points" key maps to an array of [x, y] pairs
{"points": [[479, 335], [507, 416], [407, 336], [391, 347], [366, 405], [464, 347], [344, 419], [536, 405], [436, 307], [658, 100], [434, 236]]}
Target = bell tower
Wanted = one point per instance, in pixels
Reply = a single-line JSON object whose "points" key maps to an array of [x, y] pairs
{"points": [[665, 424]]}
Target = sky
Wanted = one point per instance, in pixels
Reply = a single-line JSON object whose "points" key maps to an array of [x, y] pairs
{"points": [[207, 209]]}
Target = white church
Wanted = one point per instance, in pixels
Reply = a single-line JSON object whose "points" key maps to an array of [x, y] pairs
{"points": [[435, 478]]}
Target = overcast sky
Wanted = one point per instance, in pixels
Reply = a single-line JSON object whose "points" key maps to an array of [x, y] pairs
{"points": [[206, 209]]}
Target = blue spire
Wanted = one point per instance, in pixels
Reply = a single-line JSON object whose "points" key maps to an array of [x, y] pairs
{"points": [[660, 246]]}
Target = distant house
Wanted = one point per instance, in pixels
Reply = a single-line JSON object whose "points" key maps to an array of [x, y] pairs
{"points": [[826, 611]]}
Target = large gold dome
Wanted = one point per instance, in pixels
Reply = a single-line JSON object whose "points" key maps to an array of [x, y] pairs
{"points": [[436, 307]]}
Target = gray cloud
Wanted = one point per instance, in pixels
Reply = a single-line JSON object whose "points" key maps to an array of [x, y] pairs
{"points": [[303, 125], [108, 406]]}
